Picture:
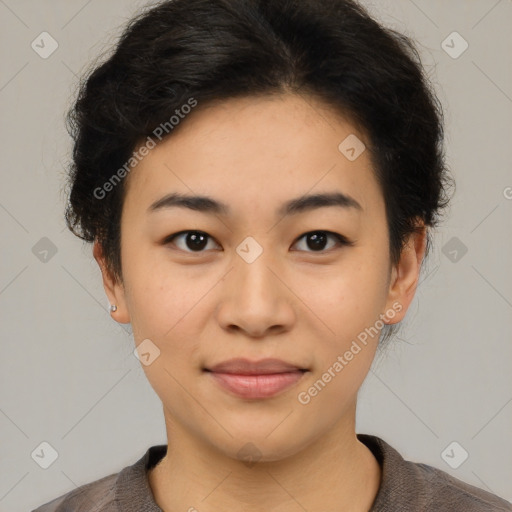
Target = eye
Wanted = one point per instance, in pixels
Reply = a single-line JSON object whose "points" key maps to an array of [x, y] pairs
{"points": [[196, 241], [317, 240]]}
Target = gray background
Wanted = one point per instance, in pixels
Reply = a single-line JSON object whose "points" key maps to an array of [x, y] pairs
{"points": [[68, 374]]}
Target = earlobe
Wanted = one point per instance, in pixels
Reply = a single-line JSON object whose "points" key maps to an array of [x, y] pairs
{"points": [[113, 289], [405, 275]]}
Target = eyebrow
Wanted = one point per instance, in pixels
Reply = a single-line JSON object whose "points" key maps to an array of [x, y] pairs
{"points": [[207, 204]]}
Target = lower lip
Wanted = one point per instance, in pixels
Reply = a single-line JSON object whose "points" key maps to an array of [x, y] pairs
{"points": [[257, 386]]}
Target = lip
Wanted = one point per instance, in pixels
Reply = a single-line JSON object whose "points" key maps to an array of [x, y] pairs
{"points": [[242, 366], [256, 379]]}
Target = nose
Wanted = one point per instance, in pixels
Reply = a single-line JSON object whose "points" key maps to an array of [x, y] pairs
{"points": [[256, 299]]}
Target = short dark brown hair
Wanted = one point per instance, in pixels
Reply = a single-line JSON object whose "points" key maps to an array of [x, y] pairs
{"points": [[220, 49]]}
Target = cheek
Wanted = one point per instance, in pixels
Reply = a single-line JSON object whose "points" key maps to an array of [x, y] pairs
{"points": [[163, 311], [168, 313], [349, 297], [349, 307], [158, 294], [349, 304]]}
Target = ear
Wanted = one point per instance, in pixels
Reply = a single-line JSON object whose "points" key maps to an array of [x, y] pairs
{"points": [[114, 290], [405, 274]]}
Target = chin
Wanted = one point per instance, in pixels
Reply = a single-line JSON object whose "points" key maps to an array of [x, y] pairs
{"points": [[251, 446]]}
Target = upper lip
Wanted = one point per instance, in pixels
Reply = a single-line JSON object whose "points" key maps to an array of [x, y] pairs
{"points": [[243, 366]]}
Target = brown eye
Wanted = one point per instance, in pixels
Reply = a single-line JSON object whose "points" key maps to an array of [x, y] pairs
{"points": [[189, 241], [316, 241]]}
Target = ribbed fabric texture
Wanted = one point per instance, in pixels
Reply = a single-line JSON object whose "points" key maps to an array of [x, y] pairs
{"points": [[405, 487]]}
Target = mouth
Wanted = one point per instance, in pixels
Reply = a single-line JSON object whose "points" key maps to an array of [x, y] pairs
{"points": [[242, 366], [255, 379]]}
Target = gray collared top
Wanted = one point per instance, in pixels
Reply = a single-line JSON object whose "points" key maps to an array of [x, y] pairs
{"points": [[405, 487]]}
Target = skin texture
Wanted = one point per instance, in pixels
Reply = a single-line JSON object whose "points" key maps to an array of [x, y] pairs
{"points": [[294, 303]]}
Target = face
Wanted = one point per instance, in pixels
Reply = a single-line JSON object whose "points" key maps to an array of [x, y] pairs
{"points": [[258, 271]]}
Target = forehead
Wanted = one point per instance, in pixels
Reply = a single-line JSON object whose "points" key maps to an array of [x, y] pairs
{"points": [[257, 150]]}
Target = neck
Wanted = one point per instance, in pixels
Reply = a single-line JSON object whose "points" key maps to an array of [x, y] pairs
{"points": [[335, 472]]}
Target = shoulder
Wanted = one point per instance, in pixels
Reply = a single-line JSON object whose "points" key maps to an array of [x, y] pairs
{"points": [[94, 496], [407, 485], [446, 492], [127, 490]]}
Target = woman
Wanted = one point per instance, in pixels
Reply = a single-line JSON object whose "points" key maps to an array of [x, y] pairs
{"points": [[259, 180]]}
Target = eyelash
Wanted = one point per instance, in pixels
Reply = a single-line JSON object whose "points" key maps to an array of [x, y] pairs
{"points": [[341, 240]]}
